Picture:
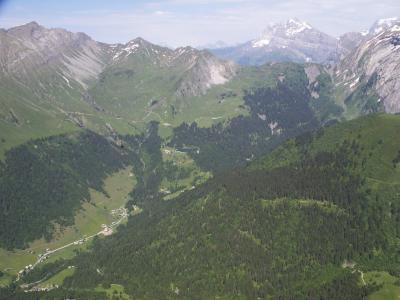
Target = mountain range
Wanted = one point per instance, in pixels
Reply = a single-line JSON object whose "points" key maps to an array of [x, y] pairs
{"points": [[298, 41], [71, 81]]}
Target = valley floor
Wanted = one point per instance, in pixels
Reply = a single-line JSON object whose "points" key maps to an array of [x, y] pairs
{"points": [[89, 222]]}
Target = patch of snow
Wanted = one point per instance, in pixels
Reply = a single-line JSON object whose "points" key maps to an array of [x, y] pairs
{"points": [[364, 33], [129, 49], [383, 24], [66, 79], [261, 43], [395, 28], [355, 82]]}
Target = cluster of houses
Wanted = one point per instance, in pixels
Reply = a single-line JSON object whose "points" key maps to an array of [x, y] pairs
{"points": [[80, 242], [28, 268], [43, 256], [42, 289], [121, 212], [106, 230], [25, 271]]}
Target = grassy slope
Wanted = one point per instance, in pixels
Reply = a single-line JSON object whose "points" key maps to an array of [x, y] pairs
{"points": [[58, 278], [129, 90], [126, 93], [43, 111], [390, 289], [87, 222]]}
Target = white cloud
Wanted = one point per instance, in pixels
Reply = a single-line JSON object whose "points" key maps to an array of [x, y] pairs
{"points": [[160, 12]]}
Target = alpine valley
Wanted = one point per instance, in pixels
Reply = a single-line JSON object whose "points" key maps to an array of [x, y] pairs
{"points": [[266, 170]]}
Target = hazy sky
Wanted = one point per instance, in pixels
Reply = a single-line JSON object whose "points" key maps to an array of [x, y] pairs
{"points": [[192, 22]]}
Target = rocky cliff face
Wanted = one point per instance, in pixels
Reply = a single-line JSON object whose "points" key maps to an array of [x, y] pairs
{"points": [[202, 71], [374, 66], [350, 41], [31, 48], [197, 70]]}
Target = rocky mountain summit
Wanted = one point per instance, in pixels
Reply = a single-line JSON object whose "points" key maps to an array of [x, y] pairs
{"points": [[31, 48], [198, 70]]}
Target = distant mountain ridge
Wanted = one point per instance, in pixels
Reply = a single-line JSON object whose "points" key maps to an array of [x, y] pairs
{"points": [[82, 59], [294, 40]]}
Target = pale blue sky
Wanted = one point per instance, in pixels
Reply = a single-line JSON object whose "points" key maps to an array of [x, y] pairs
{"points": [[192, 22]]}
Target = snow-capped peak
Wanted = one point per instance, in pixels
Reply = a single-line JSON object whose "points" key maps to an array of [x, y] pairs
{"points": [[261, 43], [395, 28], [387, 21], [289, 29], [127, 49], [295, 26], [384, 24]]}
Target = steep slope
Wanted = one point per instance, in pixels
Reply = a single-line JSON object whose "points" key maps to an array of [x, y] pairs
{"points": [[55, 81], [369, 76], [301, 223], [294, 40], [75, 55], [44, 74]]}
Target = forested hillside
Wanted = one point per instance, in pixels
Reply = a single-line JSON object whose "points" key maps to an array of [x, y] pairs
{"points": [[301, 223], [278, 111], [45, 180]]}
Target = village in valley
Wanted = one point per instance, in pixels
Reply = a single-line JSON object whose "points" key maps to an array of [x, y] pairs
{"points": [[119, 214]]}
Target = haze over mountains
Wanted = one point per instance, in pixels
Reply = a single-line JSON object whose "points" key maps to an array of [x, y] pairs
{"points": [[298, 41]]}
